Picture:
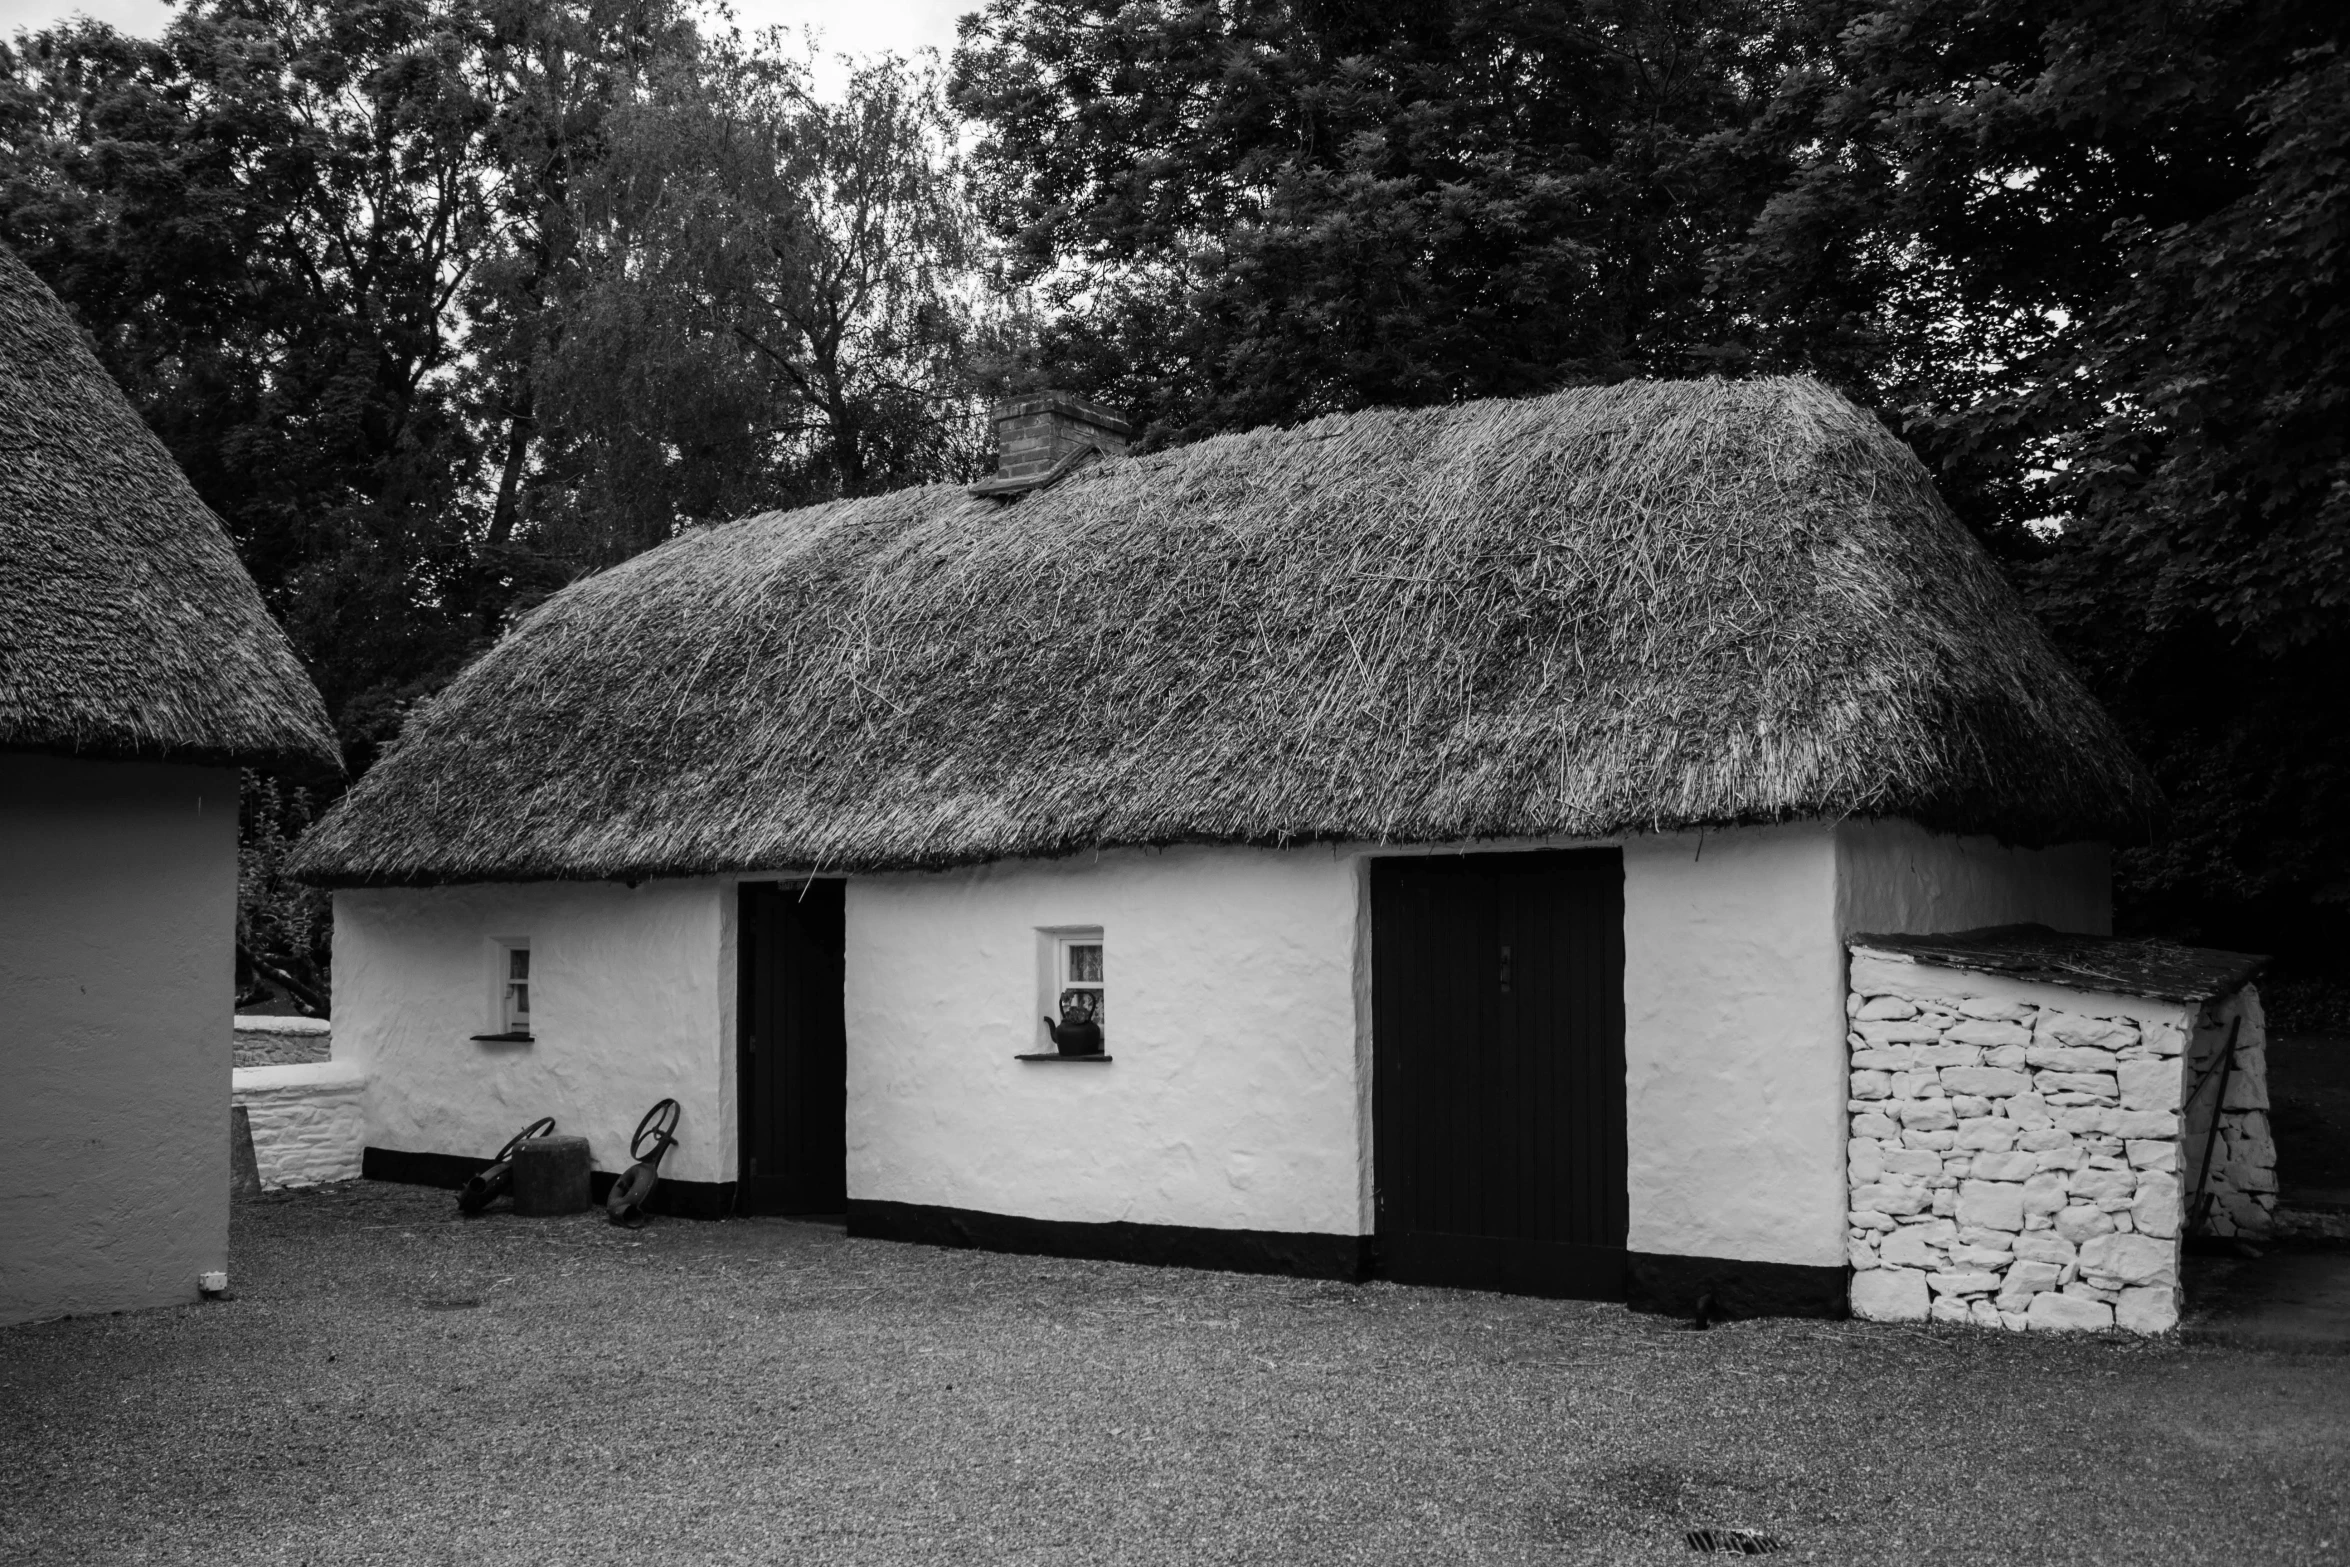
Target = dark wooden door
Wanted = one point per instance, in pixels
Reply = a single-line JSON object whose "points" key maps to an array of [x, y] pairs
{"points": [[793, 1061], [1498, 1071]]}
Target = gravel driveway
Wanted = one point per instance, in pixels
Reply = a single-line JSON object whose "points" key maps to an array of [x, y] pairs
{"points": [[392, 1384]]}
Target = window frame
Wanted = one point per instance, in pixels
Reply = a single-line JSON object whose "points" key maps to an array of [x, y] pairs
{"points": [[501, 1019], [1054, 944]]}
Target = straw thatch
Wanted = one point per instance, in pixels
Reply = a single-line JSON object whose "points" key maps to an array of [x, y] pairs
{"points": [[1652, 605], [128, 629]]}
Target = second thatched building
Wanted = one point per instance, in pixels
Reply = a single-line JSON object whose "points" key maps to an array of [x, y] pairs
{"points": [[1415, 842]]}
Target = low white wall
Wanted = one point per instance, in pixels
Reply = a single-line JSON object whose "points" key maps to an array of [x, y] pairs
{"points": [[1232, 1100], [117, 923], [309, 1120], [632, 1001]]}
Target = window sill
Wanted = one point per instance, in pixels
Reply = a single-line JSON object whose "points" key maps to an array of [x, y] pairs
{"points": [[503, 1039], [1055, 1055]]}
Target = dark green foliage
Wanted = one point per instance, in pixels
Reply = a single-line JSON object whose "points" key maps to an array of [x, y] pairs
{"points": [[284, 927]]}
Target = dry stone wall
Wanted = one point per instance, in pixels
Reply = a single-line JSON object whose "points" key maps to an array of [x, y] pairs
{"points": [[2242, 1165], [2014, 1165]]}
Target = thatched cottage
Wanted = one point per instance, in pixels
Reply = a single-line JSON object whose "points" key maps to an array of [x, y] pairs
{"points": [[1447, 823], [138, 669]]}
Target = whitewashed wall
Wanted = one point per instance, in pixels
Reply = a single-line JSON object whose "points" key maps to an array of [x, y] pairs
{"points": [[1894, 877], [308, 1119], [632, 1000], [118, 888], [1232, 1101]]}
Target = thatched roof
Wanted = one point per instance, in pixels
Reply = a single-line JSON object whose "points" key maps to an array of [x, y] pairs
{"points": [[1651, 605], [128, 628]]}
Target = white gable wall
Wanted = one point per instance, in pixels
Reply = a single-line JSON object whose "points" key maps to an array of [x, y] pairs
{"points": [[632, 1001], [118, 906]]}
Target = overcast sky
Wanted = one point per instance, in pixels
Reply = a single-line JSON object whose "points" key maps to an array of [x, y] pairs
{"points": [[846, 26]]}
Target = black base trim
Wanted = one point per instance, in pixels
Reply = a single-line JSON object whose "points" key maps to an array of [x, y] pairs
{"points": [[1673, 1286], [1159, 1245], [676, 1199]]}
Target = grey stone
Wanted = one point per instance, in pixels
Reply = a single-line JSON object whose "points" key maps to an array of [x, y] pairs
{"points": [[2057, 1159], [1989, 1134], [1967, 1258], [1886, 1008], [1968, 1108], [1951, 1309], [2094, 1184], [2053, 1313], [2045, 1192], [1860, 1254], [2133, 1259], [2165, 1039], [1870, 1221], [1871, 1124], [2144, 1123], [1926, 1115], [1896, 1033], [1987, 1082], [1982, 1313], [1889, 1199], [1885, 1058], [2004, 1166], [1995, 1011], [2027, 1110], [1984, 1240], [2082, 1289], [2070, 1028], [2119, 1207], [1872, 1085], [2155, 1211], [2071, 1058], [2150, 1085], [2013, 1321], [2147, 1308], [1987, 1033], [2079, 1225], [1938, 1142], [1962, 1283], [2045, 1246], [1948, 1054], [2005, 1055], [1890, 1295], [2024, 1280], [1864, 1161], [2154, 1153], [2092, 1118], [2042, 1138], [1912, 1161], [1994, 1205], [2097, 1085], [1918, 1083]]}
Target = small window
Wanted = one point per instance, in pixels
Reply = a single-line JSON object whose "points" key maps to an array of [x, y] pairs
{"points": [[1072, 991], [1081, 979], [510, 992]]}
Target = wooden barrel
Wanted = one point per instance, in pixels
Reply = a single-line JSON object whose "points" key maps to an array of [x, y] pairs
{"points": [[551, 1176]]}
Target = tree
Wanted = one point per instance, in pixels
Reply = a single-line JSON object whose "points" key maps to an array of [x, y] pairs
{"points": [[776, 297], [1256, 211]]}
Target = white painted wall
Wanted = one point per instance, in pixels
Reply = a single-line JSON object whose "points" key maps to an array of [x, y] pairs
{"points": [[308, 1120], [632, 1000], [117, 973], [1895, 877], [1233, 1101]]}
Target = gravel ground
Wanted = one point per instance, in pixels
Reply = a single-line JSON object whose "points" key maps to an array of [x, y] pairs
{"points": [[392, 1384]]}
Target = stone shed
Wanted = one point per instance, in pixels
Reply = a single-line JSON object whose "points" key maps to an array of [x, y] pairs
{"points": [[2038, 1120]]}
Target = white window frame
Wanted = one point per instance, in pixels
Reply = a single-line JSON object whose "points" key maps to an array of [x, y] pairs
{"points": [[1053, 946], [502, 1019]]}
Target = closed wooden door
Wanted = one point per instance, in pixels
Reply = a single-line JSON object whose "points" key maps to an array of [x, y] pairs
{"points": [[792, 1066], [1498, 1071]]}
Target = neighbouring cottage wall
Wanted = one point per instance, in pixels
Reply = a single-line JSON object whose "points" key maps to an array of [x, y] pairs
{"points": [[117, 927], [2242, 1177], [309, 1120], [1895, 877], [1233, 1100], [632, 1001], [2015, 1150], [282, 1041]]}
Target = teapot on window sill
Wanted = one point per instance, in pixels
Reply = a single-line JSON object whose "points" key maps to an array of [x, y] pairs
{"points": [[1076, 1034]]}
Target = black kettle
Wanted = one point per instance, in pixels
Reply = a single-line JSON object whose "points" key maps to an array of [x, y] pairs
{"points": [[1076, 1035]]}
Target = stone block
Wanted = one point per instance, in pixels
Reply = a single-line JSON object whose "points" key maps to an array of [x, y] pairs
{"points": [[1870, 1124], [1889, 1199], [2039, 1139], [2054, 1313], [1860, 1253], [1948, 1054], [1870, 1221], [1985, 1240], [1982, 1313], [1886, 1009], [2133, 1259], [1962, 1283], [2045, 1192], [1988, 1134], [2025, 1279], [2150, 1085], [2005, 1055], [1968, 1259], [2045, 1246], [2082, 1120], [2058, 1159], [1968, 1108], [1881, 1032], [2118, 1207], [1986, 1033], [2070, 1058], [1946, 1203], [1872, 1085], [1927, 1115], [2094, 1184], [1911, 1247], [2082, 1224], [2154, 1153], [2027, 1110], [1995, 1011], [1913, 1161], [2147, 1308], [1994, 1205], [2096, 1085], [2003, 1166], [1985, 1082], [1939, 1142], [1864, 1161], [2070, 1028], [2082, 1289], [2155, 1210], [2165, 1039], [2013, 1321], [1885, 1058], [1951, 1309], [2144, 1123], [2245, 1092], [1922, 1083], [1891, 1295]]}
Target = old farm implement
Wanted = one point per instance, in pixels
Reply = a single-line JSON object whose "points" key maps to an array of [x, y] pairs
{"points": [[491, 1183], [655, 1135]]}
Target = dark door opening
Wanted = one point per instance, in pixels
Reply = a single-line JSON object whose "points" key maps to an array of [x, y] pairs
{"points": [[1497, 994], [792, 1051]]}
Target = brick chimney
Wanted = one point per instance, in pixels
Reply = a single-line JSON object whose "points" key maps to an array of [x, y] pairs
{"points": [[1038, 436]]}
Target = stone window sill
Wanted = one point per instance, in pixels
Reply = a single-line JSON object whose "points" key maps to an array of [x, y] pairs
{"points": [[1055, 1055], [503, 1039]]}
